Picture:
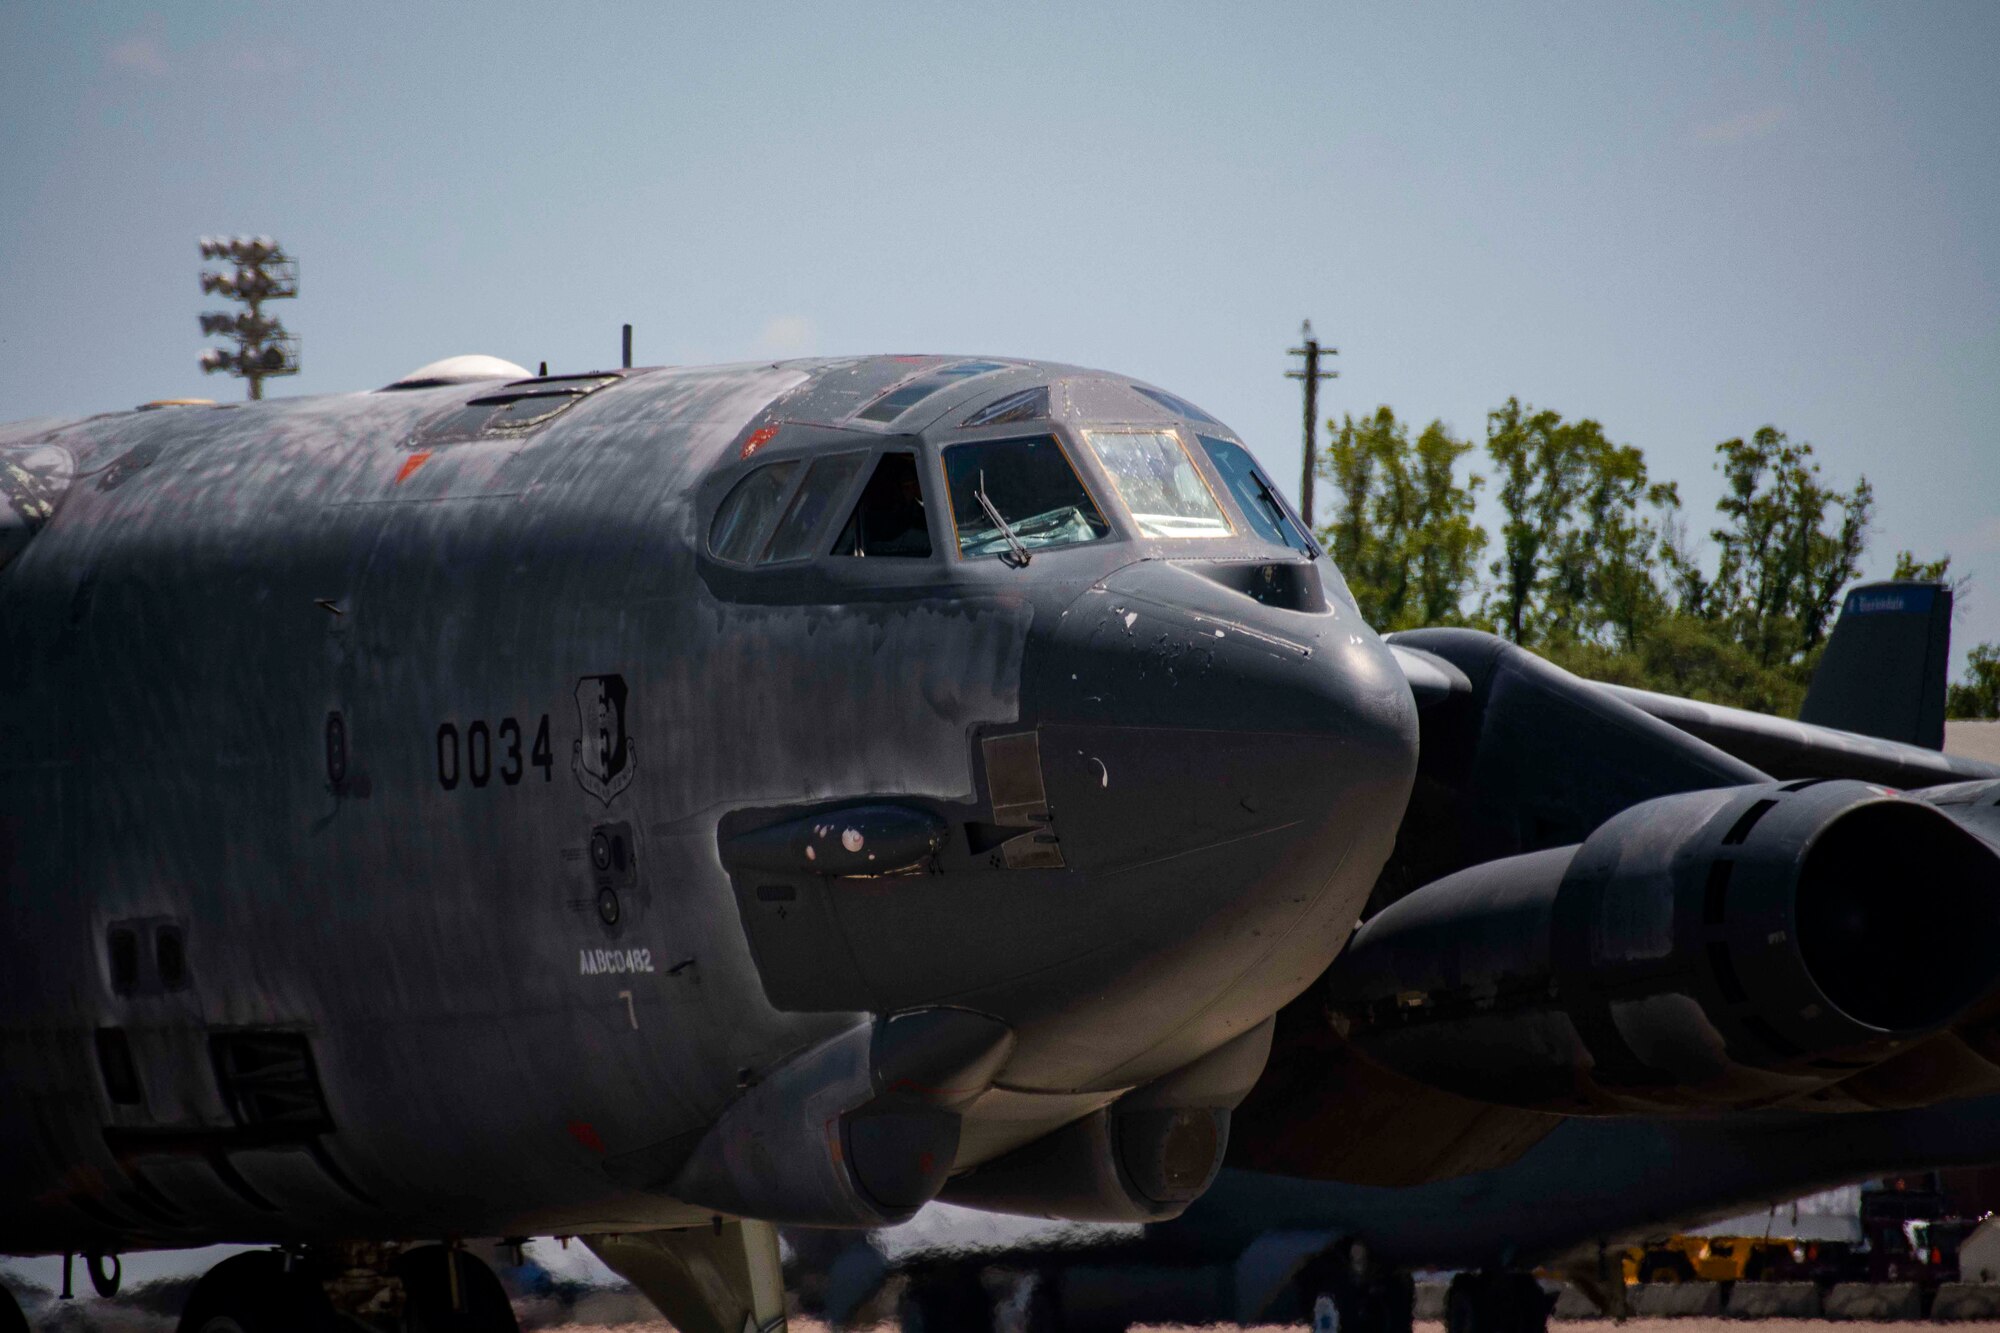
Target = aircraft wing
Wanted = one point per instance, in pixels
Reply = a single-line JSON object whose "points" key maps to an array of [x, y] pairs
{"points": [[1779, 746], [1787, 749]]}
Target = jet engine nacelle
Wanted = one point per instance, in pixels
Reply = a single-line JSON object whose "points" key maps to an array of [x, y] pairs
{"points": [[1143, 1158], [1725, 948], [858, 1131]]}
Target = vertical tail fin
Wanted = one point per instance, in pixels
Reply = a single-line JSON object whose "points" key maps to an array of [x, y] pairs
{"points": [[1883, 672]]}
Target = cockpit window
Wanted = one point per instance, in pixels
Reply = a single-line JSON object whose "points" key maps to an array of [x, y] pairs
{"points": [[509, 409], [1268, 514], [1030, 485], [826, 484], [889, 519], [1159, 483], [747, 511], [906, 396], [1027, 405], [1179, 406]]}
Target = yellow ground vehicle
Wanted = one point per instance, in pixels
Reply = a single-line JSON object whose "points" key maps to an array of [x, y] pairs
{"points": [[1709, 1259]]}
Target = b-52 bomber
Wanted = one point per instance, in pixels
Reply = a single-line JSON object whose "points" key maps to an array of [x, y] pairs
{"points": [[658, 805], [650, 806]]}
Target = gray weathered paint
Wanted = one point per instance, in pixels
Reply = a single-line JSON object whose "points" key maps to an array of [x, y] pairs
{"points": [[216, 582]]}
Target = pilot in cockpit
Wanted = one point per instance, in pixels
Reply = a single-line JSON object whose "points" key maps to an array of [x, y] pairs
{"points": [[890, 519]]}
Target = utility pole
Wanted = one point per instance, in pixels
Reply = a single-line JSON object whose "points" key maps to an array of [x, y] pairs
{"points": [[264, 272], [1312, 375]]}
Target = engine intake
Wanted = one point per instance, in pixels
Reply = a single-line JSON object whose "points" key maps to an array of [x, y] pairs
{"points": [[1726, 948], [1144, 1158]]}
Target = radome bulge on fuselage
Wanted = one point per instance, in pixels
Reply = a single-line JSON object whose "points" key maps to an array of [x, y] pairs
{"points": [[594, 802]]}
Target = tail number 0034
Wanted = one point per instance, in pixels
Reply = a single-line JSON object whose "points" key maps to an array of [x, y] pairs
{"points": [[480, 751]]}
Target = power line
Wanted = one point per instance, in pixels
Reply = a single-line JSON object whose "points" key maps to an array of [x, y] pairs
{"points": [[1312, 375]]}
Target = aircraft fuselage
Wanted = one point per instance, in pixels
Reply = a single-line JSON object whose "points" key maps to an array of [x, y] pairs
{"points": [[381, 792]]}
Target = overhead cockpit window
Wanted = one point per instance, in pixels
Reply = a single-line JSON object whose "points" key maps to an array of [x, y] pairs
{"points": [[519, 406], [1027, 405], [1031, 488], [826, 484], [1159, 483], [889, 519], [906, 396], [1179, 406], [748, 510], [1266, 510]]}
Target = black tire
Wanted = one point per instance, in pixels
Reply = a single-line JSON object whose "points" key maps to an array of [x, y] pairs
{"points": [[1393, 1303], [1496, 1303], [482, 1305], [944, 1303], [252, 1293], [11, 1318], [1462, 1306]]}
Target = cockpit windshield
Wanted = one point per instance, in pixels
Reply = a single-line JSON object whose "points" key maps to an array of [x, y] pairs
{"points": [[1262, 506], [1030, 485], [1159, 483]]}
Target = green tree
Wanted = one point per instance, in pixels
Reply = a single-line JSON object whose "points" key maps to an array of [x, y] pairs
{"points": [[1979, 696], [1403, 532], [1922, 571], [1691, 657], [1583, 534], [1788, 545]]}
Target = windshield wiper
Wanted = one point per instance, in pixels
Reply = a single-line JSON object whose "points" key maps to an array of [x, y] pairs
{"points": [[1018, 556], [1283, 520]]}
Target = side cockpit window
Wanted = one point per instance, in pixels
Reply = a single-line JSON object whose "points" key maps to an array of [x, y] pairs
{"points": [[1028, 485], [889, 519], [1259, 500], [786, 511], [826, 484], [748, 511]]}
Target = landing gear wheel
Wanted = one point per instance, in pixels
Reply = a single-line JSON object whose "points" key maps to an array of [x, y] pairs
{"points": [[449, 1291], [1496, 1303], [944, 1303], [252, 1293], [11, 1318]]}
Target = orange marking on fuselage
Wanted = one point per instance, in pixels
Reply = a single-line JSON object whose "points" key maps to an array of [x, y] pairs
{"points": [[411, 464]]}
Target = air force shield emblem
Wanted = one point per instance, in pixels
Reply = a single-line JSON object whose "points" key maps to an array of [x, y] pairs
{"points": [[604, 758]]}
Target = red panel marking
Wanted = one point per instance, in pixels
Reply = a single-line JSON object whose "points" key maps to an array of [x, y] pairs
{"points": [[411, 464], [581, 1131], [760, 437], [926, 1161]]}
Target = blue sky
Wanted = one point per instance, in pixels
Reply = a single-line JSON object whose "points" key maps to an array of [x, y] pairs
{"points": [[1684, 220]]}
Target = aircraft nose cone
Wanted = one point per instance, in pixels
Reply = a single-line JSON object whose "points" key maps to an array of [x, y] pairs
{"points": [[1227, 774], [1268, 701]]}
